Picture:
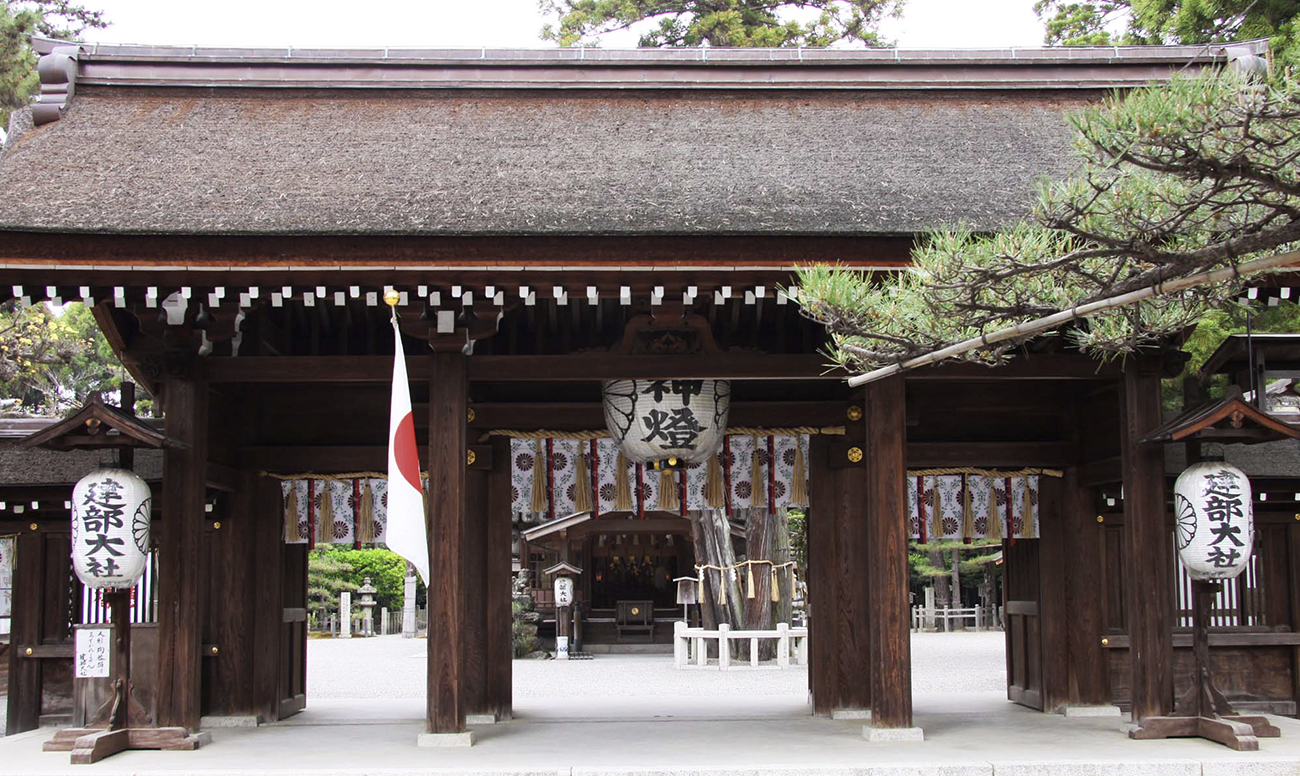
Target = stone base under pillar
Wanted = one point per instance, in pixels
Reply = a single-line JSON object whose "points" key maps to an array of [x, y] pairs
{"points": [[850, 713], [892, 735], [1091, 711], [480, 719], [238, 721], [439, 740]]}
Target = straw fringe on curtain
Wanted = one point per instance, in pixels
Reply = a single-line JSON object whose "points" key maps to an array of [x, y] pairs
{"points": [[623, 486], [366, 515], [714, 488], [291, 534], [540, 502], [582, 485], [967, 509], [995, 515], [668, 498], [756, 478], [799, 478]]}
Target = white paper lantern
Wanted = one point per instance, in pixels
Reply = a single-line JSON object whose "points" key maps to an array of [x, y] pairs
{"points": [[1215, 520], [653, 420], [110, 528], [563, 589]]}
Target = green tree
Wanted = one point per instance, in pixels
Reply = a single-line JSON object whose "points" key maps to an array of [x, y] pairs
{"points": [[1196, 175], [51, 362], [719, 22], [1105, 22], [385, 569], [19, 20], [327, 576]]}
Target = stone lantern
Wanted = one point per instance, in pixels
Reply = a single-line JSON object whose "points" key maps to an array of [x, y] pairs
{"points": [[367, 603]]}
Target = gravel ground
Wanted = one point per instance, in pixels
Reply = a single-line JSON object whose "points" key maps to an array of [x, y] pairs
{"points": [[393, 667]]}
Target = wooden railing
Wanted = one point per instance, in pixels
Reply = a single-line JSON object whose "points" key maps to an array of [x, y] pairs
{"points": [[691, 644], [980, 618]]}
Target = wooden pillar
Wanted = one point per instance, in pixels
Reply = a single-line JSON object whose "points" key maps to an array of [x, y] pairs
{"points": [[476, 616], [1148, 598], [1082, 559], [840, 656], [500, 640], [180, 597], [24, 703], [447, 530], [268, 594], [886, 553]]}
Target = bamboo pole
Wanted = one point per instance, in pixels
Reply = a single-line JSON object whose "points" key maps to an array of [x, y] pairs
{"points": [[1075, 313]]}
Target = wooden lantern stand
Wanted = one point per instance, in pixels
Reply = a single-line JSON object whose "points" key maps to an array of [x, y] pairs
{"points": [[1202, 711], [121, 723]]}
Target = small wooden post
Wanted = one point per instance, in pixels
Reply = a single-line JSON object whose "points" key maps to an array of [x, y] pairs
{"points": [[724, 647], [679, 644]]}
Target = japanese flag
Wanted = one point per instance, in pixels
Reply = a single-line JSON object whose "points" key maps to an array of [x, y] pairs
{"points": [[405, 532]]}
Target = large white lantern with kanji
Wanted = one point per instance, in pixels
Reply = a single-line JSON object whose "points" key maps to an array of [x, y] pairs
{"points": [[110, 528], [1215, 521], [655, 420]]}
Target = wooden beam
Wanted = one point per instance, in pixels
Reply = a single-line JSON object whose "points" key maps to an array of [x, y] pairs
{"points": [[587, 367], [222, 477], [180, 583], [1103, 472], [1148, 567], [886, 550], [922, 455], [266, 260], [446, 521], [571, 416], [1042, 366]]}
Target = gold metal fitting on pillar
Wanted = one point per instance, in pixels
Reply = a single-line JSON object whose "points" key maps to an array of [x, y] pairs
{"points": [[470, 457], [216, 525], [1105, 642], [1100, 519], [469, 417], [854, 412], [33, 525], [855, 454]]}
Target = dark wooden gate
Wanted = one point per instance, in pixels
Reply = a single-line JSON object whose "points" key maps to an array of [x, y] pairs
{"points": [[293, 635], [1023, 624]]}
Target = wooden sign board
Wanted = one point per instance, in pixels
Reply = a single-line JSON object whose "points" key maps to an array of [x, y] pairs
{"points": [[94, 646]]}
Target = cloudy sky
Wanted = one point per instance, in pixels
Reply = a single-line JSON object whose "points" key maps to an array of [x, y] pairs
{"points": [[473, 23]]}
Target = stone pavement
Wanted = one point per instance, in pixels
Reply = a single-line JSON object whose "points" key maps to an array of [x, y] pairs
{"points": [[392, 667], [634, 715]]}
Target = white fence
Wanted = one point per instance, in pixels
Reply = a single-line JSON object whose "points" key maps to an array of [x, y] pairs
{"points": [[691, 644], [979, 617]]}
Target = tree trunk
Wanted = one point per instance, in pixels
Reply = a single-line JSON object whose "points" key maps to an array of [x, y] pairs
{"points": [[956, 578], [942, 584], [711, 533], [767, 537]]}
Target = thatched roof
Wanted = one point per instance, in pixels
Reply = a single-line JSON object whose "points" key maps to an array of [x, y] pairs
{"points": [[298, 163], [174, 141]]}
